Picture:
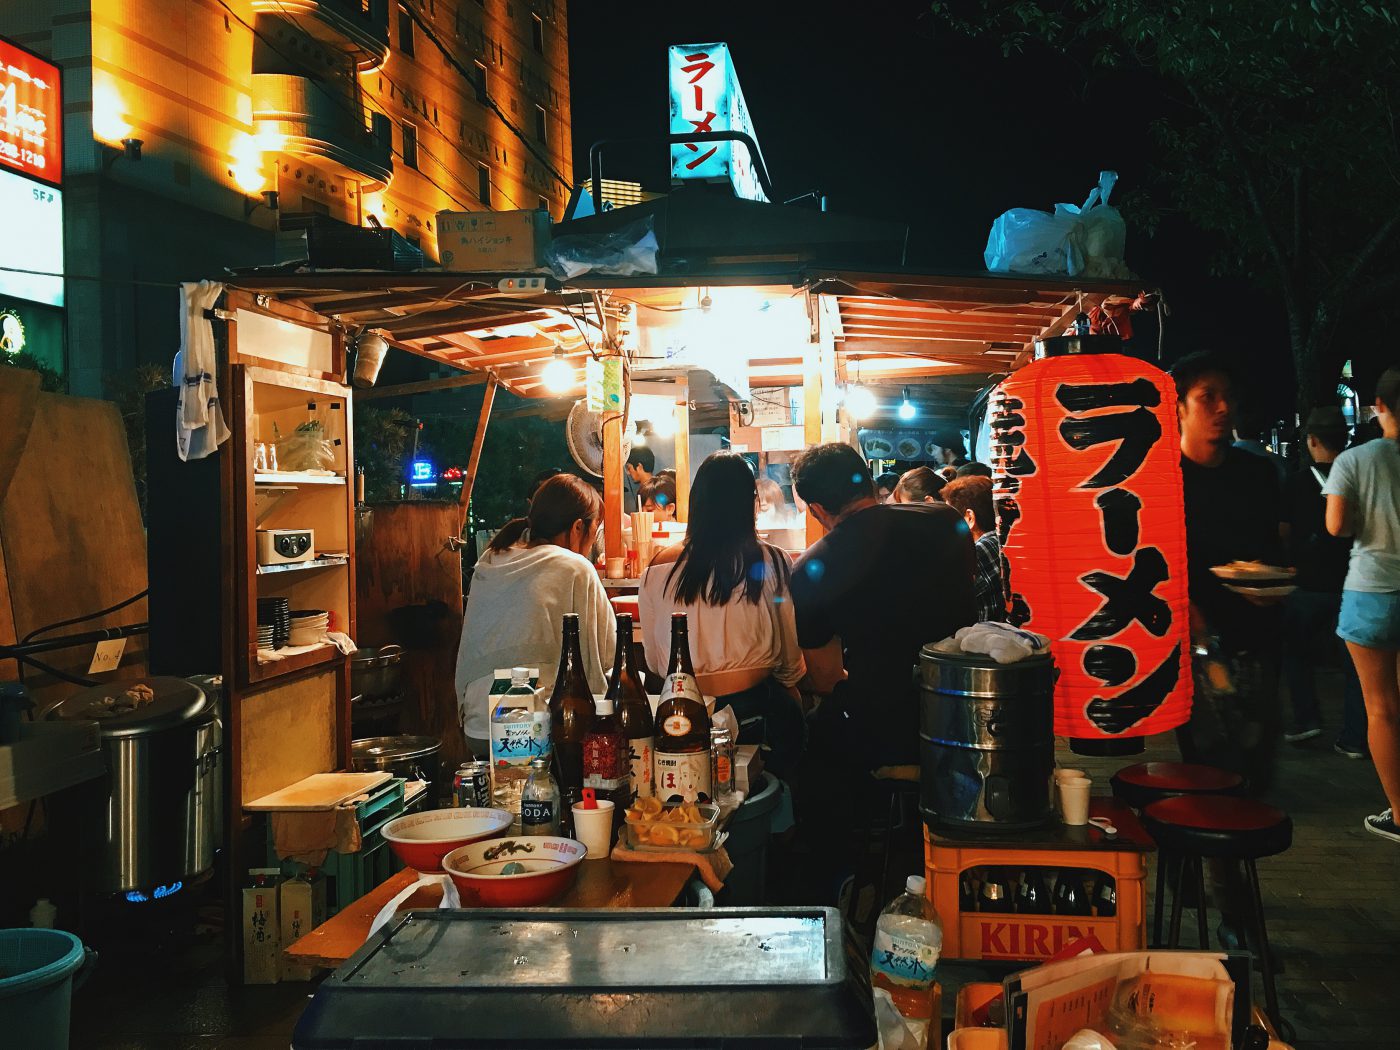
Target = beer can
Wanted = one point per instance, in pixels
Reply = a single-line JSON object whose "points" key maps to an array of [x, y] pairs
{"points": [[472, 785]]}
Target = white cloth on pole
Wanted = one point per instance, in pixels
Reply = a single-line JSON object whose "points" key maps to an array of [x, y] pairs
{"points": [[199, 422]]}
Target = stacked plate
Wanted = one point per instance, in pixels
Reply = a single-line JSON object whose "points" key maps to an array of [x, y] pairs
{"points": [[1254, 579], [308, 626], [264, 636], [275, 613]]}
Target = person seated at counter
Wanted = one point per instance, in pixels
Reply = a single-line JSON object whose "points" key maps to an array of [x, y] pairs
{"points": [[659, 496], [535, 570], [770, 497], [971, 496], [920, 485], [639, 469], [885, 485], [883, 582], [734, 589]]}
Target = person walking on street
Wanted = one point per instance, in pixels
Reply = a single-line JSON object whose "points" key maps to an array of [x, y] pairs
{"points": [[1363, 501]]}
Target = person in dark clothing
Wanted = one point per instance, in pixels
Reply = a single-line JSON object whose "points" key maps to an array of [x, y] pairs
{"points": [[952, 451], [885, 486], [1310, 612], [973, 469], [1233, 512], [972, 498]]}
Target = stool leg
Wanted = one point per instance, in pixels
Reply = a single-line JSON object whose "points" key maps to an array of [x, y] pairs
{"points": [[1202, 938], [1266, 963], [1174, 940], [894, 821], [1159, 902]]}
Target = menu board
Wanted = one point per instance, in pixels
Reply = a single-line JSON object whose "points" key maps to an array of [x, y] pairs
{"points": [[31, 108]]}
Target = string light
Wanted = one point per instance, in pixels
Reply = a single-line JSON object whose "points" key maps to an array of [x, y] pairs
{"points": [[557, 375]]}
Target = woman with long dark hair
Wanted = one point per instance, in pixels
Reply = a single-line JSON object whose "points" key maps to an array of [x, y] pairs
{"points": [[734, 589], [535, 570]]}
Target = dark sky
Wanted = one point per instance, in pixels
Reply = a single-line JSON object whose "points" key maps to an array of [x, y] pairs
{"points": [[895, 117]]}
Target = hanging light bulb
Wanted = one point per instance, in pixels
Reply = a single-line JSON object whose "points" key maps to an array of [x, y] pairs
{"points": [[907, 411], [557, 375], [860, 402]]}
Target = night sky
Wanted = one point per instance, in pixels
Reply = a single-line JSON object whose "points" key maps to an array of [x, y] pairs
{"points": [[894, 117]]}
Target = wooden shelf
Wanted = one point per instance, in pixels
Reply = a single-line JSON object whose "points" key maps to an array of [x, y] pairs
{"points": [[324, 654], [291, 477], [328, 562]]}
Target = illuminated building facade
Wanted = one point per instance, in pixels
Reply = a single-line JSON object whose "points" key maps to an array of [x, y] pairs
{"points": [[199, 133]]}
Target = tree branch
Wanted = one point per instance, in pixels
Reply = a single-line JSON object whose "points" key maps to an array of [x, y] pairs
{"points": [[1373, 291], [1368, 252]]}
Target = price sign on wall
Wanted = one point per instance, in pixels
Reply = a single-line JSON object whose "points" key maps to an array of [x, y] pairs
{"points": [[31, 115]]}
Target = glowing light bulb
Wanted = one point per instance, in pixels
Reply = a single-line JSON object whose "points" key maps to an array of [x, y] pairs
{"points": [[557, 375], [860, 402], [664, 425], [907, 411]]}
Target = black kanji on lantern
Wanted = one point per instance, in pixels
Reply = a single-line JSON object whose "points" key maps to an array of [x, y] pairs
{"points": [[1128, 598]]}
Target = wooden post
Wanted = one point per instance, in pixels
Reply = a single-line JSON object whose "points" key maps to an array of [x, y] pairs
{"points": [[812, 417], [683, 452], [488, 396], [612, 487]]}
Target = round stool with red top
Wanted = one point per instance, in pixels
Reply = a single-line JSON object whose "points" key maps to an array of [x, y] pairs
{"points": [[1194, 827]]}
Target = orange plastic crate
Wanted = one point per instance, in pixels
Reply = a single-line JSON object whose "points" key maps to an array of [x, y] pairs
{"points": [[988, 935]]}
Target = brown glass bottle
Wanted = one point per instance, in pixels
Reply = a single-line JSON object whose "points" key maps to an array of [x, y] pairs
{"points": [[570, 713], [629, 697], [682, 726]]}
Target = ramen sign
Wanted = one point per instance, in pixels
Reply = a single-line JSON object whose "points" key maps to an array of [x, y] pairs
{"points": [[31, 108]]}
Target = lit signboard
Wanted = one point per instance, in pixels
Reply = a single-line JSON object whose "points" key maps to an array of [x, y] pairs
{"points": [[31, 112], [705, 96], [31, 240]]}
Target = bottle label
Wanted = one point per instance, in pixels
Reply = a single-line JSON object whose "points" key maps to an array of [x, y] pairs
{"points": [[685, 775], [593, 780], [676, 725], [904, 960], [681, 684], [517, 743], [639, 757], [536, 812]]}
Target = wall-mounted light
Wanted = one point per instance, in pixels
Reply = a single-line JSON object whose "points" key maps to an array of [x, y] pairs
{"points": [[907, 411], [131, 150], [557, 375], [247, 167], [109, 123], [860, 402]]}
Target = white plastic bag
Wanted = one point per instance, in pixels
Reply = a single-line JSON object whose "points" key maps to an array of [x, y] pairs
{"points": [[1104, 234], [1086, 239]]}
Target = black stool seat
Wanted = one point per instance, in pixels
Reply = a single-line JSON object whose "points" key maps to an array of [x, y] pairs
{"points": [[1218, 826], [1148, 782]]}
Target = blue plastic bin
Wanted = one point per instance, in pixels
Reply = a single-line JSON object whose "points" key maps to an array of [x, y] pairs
{"points": [[37, 969]]}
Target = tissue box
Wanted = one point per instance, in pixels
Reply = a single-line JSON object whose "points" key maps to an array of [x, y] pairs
{"points": [[302, 903], [492, 241], [748, 764]]}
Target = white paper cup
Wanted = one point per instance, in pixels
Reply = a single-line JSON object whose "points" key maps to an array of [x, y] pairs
{"points": [[593, 827], [617, 568], [1074, 800], [1069, 774]]}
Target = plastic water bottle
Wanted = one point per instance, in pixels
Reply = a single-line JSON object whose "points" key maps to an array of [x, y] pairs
{"points": [[519, 734], [908, 941]]}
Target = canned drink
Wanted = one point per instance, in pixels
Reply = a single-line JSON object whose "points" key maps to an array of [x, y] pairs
{"points": [[472, 785], [721, 761]]}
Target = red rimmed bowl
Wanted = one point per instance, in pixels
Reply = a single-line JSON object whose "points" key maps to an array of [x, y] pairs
{"points": [[478, 870], [421, 840]]}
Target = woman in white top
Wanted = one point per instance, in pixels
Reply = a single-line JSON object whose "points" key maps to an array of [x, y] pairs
{"points": [[1363, 500], [534, 572], [734, 590]]}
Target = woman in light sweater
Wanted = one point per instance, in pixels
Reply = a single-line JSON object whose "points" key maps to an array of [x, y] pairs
{"points": [[535, 570], [734, 590]]}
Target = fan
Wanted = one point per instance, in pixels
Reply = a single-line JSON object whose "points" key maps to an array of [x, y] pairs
{"points": [[584, 433]]}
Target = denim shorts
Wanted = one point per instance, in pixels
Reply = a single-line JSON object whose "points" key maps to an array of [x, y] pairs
{"points": [[1370, 618]]}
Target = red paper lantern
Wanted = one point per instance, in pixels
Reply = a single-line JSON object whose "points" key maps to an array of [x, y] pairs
{"points": [[1087, 482]]}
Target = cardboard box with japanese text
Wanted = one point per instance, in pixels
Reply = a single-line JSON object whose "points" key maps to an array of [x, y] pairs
{"points": [[302, 902], [492, 241], [261, 929]]}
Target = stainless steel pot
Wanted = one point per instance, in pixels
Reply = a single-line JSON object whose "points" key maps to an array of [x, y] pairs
{"points": [[986, 740], [374, 673], [154, 820], [412, 757]]}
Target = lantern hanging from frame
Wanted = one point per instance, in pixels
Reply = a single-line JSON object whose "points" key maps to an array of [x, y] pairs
{"points": [[1087, 485]]}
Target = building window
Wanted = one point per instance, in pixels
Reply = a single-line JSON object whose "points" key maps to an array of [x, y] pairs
{"points": [[537, 33], [483, 184], [405, 31], [410, 145], [480, 69], [541, 127], [542, 203]]}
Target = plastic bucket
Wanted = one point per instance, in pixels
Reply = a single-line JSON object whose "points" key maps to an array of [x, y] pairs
{"points": [[747, 845], [36, 983]]}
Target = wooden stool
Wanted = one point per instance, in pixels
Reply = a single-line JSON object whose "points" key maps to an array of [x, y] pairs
{"points": [[1194, 827], [1147, 782]]}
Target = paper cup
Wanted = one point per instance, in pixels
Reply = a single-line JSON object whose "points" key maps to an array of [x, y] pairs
{"points": [[1069, 774], [617, 568], [1074, 800], [593, 827]]}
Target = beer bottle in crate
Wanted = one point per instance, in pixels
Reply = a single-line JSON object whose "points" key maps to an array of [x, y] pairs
{"points": [[683, 724], [1033, 895], [967, 891], [1105, 898], [570, 711], [629, 697], [996, 892], [1070, 896]]}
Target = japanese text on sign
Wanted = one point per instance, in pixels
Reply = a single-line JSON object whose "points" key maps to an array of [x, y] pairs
{"points": [[31, 108], [705, 96]]}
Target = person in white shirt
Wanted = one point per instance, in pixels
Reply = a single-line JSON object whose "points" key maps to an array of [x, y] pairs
{"points": [[734, 590], [535, 570]]}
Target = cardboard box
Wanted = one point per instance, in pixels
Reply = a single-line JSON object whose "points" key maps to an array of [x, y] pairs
{"points": [[261, 929], [748, 764], [302, 903], [492, 241]]}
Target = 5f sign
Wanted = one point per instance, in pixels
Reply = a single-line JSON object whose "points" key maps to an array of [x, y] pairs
{"points": [[705, 96]]}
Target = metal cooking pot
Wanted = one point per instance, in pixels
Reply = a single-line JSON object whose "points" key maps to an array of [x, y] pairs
{"points": [[411, 757], [153, 821], [374, 673]]}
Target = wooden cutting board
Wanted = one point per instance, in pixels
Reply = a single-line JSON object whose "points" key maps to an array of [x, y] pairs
{"points": [[319, 791]]}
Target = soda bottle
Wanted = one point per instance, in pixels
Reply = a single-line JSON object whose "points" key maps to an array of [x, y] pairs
{"points": [[996, 893], [683, 743], [1105, 896], [629, 697], [519, 733], [1033, 895], [539, 802], [570, 711], [908, 941], [605, 766]]}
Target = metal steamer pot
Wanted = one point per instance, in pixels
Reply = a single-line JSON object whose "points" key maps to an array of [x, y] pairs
{"points": [[154, 819], [374, 673], [986, 740], [411, 757]]}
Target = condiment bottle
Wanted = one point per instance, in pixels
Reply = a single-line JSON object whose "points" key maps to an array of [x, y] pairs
{"points": [[605, 766]]}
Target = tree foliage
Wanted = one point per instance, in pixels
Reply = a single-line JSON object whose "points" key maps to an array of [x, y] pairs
{"points": [[1283, 138]]}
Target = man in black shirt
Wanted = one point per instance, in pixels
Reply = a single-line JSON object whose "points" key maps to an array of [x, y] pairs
{"points": [[1233, 510]]}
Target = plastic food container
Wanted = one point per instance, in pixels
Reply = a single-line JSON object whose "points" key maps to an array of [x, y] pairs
{"points": [[656, 834]]}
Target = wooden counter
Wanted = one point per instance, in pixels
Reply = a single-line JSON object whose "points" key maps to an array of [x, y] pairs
{"points": [[600, 884]]}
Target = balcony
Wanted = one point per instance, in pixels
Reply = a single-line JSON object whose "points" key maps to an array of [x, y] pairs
{"points": [[359, 27], [313, 119]]}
